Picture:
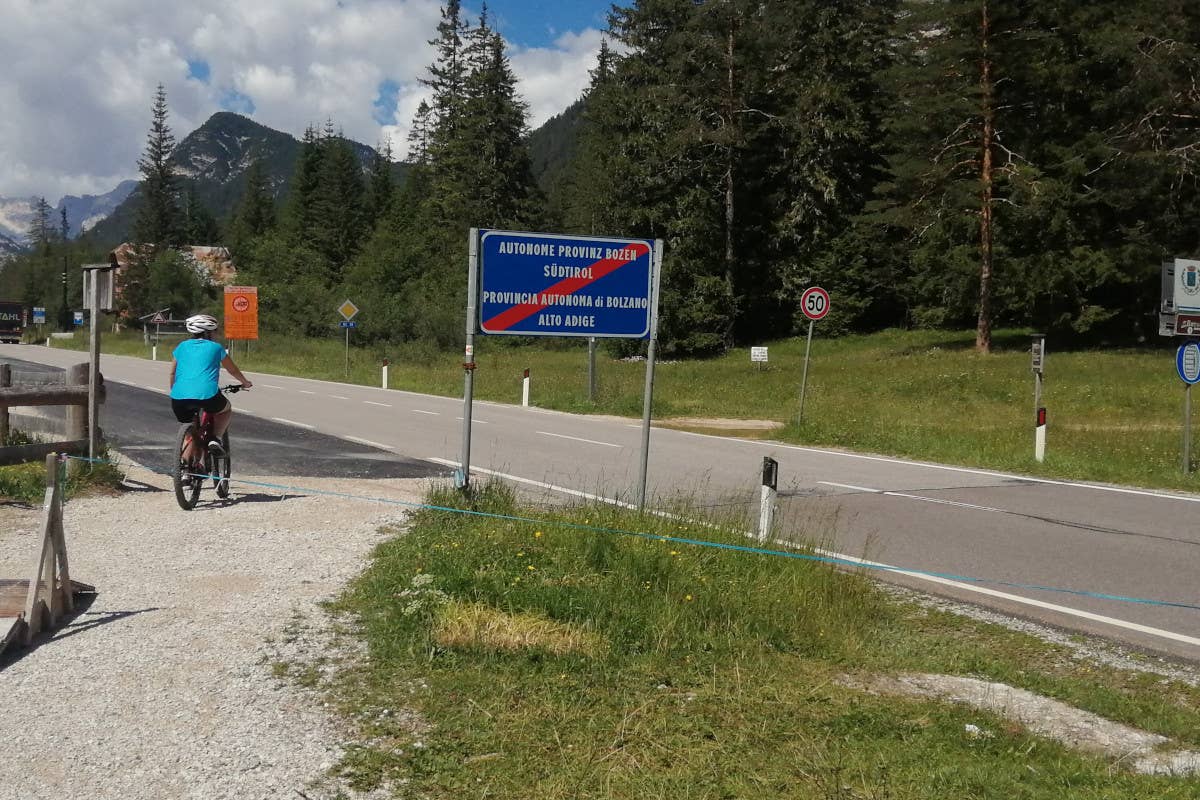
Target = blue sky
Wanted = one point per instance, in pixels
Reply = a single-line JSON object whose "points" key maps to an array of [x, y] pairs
{"points": [[538, 24]]}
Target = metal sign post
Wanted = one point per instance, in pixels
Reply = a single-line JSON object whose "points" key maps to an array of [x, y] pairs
{"points": [[815, 305], [463, 479], [1037, 365], [1187, 364], [648, 397], [347, 310], [591, 369], [98, 281]]}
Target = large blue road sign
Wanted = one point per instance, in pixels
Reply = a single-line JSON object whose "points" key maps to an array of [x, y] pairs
{"points": [[539, 284]]}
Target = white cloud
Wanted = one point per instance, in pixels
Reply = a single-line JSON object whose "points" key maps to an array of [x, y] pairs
{"points": [[77, 79]]}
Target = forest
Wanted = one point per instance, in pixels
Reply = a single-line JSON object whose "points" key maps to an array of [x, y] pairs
{"points": [[932, 163]]}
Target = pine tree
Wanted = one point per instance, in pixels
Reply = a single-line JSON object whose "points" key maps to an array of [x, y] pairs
{"points": [[340, 223], [492, 139], [157, 220], [418, 135], [381, 185], [40, 232], [300, 212], [64, 227], [255, 213], [199, 225]]}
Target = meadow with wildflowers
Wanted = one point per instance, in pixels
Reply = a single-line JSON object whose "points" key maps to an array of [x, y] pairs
{"points": [[522, 652]]}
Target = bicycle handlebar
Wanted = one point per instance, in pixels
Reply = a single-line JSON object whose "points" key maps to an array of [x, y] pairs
{"points": [[234, 388]]}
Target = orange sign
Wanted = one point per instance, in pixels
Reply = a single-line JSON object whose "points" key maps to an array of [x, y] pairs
{"points": [[241, 312]]}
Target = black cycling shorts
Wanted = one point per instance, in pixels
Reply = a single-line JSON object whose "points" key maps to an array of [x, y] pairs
{"points": [[184, 409]]}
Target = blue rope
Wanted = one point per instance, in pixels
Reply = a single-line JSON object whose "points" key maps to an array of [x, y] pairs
{"points": [[832, 560]]}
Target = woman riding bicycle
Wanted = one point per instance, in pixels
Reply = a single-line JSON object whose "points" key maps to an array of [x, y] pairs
{"points": [[195, 370]]}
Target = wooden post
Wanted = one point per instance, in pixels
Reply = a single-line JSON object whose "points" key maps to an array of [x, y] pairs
{"points": [[45, 609], [5, 382], [77, 375]]}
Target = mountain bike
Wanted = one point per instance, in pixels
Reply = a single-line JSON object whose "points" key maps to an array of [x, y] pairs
{"points": [[189, 477]]}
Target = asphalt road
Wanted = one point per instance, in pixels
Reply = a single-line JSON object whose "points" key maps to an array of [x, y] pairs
{"points": [[1086, 539], [138, 422]]}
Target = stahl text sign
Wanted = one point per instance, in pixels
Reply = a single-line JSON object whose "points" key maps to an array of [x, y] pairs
{"points": [[538, 284]]}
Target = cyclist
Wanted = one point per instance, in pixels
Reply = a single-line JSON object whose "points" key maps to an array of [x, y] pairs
{"points": [[195, 370]]}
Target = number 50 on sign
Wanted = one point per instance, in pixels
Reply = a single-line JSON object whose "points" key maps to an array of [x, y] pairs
{"points": [[814, 303]]}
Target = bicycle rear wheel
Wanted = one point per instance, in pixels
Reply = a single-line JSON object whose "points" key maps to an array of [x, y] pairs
{"points": [[221, 468], [187, 487]]}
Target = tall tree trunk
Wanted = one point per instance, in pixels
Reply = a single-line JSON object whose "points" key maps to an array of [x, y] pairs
{"points": [[729, 206], [983, 329]]}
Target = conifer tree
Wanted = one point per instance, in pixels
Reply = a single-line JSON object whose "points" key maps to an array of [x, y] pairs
{"points": [[340, 223], [199, 225], [419, 134], [157, 220], [40, 232], [381, 186], [255, 213]]}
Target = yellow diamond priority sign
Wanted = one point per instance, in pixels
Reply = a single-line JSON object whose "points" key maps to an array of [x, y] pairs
{"points": [[347, 310]]}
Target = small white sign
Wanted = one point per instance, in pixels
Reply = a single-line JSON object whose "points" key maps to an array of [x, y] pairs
{"points": [[758, 354], [1187, 286]]}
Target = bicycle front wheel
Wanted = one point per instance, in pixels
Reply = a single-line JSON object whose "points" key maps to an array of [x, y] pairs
{"points": [[187, 486], [222, 468]]}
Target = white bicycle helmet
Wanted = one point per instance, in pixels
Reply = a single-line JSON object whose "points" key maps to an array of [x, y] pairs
{"points": [[199, 323]]}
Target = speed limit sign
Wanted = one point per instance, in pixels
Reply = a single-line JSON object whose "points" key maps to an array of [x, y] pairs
{"points": [[814, 303]]}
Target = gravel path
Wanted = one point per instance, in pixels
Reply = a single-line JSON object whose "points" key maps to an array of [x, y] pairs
{"points": [[163, 687]]}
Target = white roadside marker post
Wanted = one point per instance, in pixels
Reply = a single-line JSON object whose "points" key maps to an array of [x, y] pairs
{"points": [[525, 389], [1038, 352], [766, 502], [385, 367]]}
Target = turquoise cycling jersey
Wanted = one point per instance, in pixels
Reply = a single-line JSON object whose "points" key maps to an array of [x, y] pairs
{"points": [[198, 369]]}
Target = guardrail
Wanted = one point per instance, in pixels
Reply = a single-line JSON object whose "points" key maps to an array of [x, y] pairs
{"points": [[72, 393]]}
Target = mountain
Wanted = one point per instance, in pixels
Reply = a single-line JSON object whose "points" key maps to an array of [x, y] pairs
{"points": [[213, 160], [553, 145], [15, 216], [8, 248], [82, 213]]}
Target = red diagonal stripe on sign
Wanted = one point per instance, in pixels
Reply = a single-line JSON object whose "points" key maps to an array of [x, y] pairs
{"points": [[519, 313]]}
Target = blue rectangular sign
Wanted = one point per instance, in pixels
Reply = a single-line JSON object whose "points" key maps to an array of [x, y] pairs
{"points": [[540, 284], [348, 324], [39, 316]]}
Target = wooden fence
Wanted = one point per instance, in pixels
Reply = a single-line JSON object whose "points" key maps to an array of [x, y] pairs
{"points": [[72, 393]]}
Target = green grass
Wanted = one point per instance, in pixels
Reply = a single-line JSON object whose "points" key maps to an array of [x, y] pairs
{"points": [[1114, 415], [26, 483], [553, 662]]}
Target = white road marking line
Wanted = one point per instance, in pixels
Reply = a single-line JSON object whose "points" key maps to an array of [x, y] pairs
{"points": [[305, 391], [1015, 598], [937, 500], [517, 479], [367, 442], [145, 447], [577, 439], [156, 389], [293, 422], [947, 468], [269, 385], [476, 421], [430, 413], [373, 403], [338, 397]]}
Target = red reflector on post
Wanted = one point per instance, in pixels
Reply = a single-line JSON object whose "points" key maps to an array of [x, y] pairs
{"points": [[1041, 417], [526, 373]]}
